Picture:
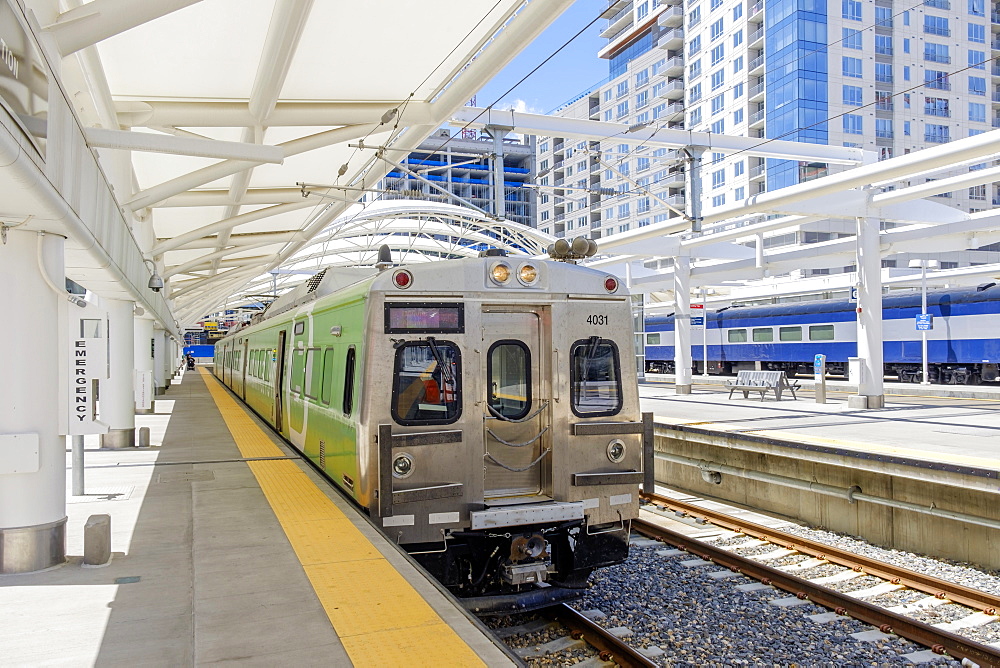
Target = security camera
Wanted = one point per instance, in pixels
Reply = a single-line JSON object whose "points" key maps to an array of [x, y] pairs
{"points": [[155, 283]]}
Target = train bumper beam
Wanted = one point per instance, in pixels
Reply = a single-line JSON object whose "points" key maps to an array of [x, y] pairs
{"points": [[524, 601]]}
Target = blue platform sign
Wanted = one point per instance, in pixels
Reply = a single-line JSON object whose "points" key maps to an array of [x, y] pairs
{"points": [[925, 322], [697, 321]]}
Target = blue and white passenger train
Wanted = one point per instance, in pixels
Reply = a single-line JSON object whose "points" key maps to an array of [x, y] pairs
{"points": [[963, 346]]}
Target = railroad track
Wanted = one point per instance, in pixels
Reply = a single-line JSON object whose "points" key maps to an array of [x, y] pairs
{"points": [[560, 635], [943, 641]]}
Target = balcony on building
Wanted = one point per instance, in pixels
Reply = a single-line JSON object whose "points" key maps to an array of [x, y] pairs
{"points": [[757, 171], [756, 64], [754, 37], [756, 118], [671, 17], [618, 21], [672, 39], [756, 90], [673, 111], [674, 90], [995, 17], [756, 8], [674, 67]]}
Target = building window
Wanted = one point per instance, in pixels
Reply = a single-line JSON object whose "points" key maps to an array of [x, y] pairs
{"points": [[936, 79], [719, 127], [883, 16], [739, 168], [737, 64], [740, 194], [622, 109], [642, 205], [938, 134], [719, 78], [608, 115], [906, 128], [883, 100], [718, 102], [936, 106], [737, 12], [883, 72], [936, 25], [883, 45], [694, 46], [659, 110], [608, 95], [658, 88], [694, 17], [737, 38], [694, 69], [852, 95], [642, 11], [978, 192], [936, 53], [883, 128], [977, 33], [542, 148], [718, 178], [718, 53], [906, 72], [852, 124], [906, 45], [851, 9], [977, 86], [718, 200], [716, 30], [737, 117], [545, 216], [977, 112], [641, 164], [738, 90], [622, 89], [641, 78], [852, 67], [851, 38], [977, 59], [715, 4], [695, 93], [696, 116], [977, 7], [623, 210], [642, 99]]}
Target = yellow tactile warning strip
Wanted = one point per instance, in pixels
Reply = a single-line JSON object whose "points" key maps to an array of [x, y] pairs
{"points": [[380, 618]]}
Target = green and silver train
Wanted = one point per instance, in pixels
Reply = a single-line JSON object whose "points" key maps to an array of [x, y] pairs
{"points": [[484, 412]]}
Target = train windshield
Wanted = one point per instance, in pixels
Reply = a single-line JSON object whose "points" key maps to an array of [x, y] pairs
{"points": [[596, 385], [426, 383], [509, 371]]}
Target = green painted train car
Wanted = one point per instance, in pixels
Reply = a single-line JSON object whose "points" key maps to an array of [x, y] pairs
{"points": [[483, 411]]}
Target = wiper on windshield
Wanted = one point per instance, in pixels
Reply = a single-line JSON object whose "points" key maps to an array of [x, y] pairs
{"points": [[445, 369]]}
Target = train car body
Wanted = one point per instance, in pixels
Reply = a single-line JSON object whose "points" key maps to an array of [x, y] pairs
{"points": [[489, 426], [963, 346]]}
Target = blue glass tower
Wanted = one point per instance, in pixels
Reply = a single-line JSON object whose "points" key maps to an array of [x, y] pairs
{"points": [[797, 82]]}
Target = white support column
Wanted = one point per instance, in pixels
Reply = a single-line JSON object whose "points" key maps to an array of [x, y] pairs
{"points": [[32, 403], [159, 362], [143, 360], [682, 324], [871, 392], [118, 391]]}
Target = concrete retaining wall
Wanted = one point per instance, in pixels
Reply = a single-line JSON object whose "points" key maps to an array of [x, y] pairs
{"points": [[835, 472]]}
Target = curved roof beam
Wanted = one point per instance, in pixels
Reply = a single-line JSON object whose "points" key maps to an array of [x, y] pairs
{"points": [[201, 148], [96, 21], [200, 177], [156, 113], [252, 196], [226, 224]]}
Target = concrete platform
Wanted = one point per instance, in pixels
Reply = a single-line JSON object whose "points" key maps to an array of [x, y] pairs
{"points": [[203, 572], [931, 426]]}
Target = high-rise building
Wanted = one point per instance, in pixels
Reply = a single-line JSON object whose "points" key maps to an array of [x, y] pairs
{"points": [[463, 165], [884, 77]]}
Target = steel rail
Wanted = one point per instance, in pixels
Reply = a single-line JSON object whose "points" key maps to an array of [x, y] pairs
{"points": [[939, 641], [610, 646], [956, 593]]}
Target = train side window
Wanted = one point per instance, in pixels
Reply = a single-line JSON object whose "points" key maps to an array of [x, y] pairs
{"points": [[821, 332], [314, 373], [737, 335], [508, 372], [426, 383], [349, 380], [653, 339], [790, 333], [327, 376], [763, 335], [595, 378]]}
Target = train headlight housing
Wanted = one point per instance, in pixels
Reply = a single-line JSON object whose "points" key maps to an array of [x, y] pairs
{"points": [[402, 466], [402, 279], [500, 273], [616, 450], [527, 274]]}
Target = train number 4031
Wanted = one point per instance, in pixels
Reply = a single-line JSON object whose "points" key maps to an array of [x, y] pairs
{"points": [[597, 319]]}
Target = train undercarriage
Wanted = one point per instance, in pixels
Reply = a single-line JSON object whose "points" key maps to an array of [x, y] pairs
{"points": [[943, 374], [516, 569]]}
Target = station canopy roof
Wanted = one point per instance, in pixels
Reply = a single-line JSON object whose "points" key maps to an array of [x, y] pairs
{"points": [[223, 107]]}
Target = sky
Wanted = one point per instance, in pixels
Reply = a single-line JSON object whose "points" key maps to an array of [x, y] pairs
{"points": [[574, 70]]}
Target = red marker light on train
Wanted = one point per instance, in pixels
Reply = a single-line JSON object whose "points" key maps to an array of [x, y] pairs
{"points": [[402, 279], [610, 284]]}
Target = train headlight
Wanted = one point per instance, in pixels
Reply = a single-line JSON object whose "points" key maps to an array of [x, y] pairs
{"points": [[527, 274], [402, 279], [500, 273], [402, 466], [616, 450]]}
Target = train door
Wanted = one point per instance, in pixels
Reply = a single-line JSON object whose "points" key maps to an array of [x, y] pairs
{"points": [[244, 363], [279, 382], [516, 442]]}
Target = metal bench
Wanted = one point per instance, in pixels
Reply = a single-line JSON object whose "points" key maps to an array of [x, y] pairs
{"points": [[763, 382]]}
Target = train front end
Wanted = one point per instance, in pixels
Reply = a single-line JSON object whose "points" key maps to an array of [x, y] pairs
{"points": [[506, 443]]}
